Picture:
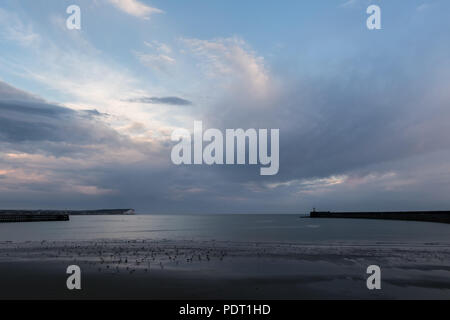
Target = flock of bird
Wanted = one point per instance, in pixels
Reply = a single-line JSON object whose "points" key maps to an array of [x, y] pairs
{"points": [[121, 256]]}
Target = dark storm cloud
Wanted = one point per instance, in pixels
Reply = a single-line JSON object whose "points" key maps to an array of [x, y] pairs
{"points": [[345, 123], [93, 113], [176, 101], [29, 123], [342, 125], [385, 128], [9, 92]]}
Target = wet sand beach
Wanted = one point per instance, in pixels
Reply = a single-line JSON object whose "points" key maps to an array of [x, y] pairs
{"points": [[175, 269]]}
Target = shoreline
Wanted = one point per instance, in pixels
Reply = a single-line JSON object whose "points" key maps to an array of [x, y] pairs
{"points": [[175, 269]]}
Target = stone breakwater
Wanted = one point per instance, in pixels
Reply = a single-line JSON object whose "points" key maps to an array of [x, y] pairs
{"points": [[54, 215], [426, 216], [28, 216]]}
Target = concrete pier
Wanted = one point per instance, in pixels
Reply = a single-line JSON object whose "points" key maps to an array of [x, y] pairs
{"points": [[31, 216], [55, 215], [428, 216]]}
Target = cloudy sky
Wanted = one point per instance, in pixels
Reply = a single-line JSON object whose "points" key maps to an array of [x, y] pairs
{"points": [[86, 115]]}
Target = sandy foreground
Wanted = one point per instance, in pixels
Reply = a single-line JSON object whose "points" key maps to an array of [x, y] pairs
{"points": [[167, 269]]}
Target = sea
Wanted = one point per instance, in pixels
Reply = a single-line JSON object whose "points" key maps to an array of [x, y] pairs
{"points": [[240, 228]]}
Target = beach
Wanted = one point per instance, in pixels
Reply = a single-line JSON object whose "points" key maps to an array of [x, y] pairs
{"points": [[211, 269], [198, 150]]}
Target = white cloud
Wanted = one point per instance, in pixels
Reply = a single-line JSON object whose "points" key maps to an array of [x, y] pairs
{"points": [[13, 29], [311, 186], [135, 8], [159, 58], [423, 6], [231, 58], [158, 62], [82, 77], [348, 3], [159, 46]]}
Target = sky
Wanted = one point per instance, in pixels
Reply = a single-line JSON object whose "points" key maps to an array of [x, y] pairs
{"points": [[86, 116]]}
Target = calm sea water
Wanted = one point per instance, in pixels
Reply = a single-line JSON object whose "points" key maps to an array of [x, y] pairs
{"points": [[264, 228]]}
